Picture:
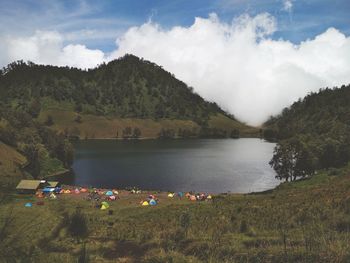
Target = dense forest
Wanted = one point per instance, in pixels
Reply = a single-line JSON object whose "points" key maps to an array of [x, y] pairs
{"points": [[129, 87], [312, 134]]}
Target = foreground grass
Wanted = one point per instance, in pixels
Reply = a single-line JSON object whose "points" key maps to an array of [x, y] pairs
{"points": [[306, 221]]}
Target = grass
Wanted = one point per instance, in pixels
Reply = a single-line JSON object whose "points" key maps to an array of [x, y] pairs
{"points": [[94, 126], [222, 122], [305, 221], [98, 127], [11, 162]]}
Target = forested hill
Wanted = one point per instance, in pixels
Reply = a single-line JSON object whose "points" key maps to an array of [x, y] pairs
{"points": [[316, 127], [128, 97], [128, 87], [318, 114]]}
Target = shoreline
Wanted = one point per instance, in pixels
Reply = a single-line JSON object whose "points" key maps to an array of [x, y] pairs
{"points": [[175, 138]]}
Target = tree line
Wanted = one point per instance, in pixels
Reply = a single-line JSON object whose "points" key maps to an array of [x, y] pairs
{"points": [[312, 134]]}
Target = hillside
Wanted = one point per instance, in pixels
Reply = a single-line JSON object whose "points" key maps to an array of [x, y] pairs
{"points": [[316, 127], [24, 140], [125, 89], [281, 225], [11, 164]]}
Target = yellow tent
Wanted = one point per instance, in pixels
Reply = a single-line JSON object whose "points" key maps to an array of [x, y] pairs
{"points": [[145, 203], [104, 205], [171, 195]]}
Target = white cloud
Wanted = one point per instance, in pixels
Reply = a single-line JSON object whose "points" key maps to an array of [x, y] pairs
{"points": [[288, 5], [46, 47], [234, 64], [239, 66]]}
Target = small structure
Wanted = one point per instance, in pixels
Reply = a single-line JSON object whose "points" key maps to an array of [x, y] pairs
{"points": [[28, 186], [31, 186]]}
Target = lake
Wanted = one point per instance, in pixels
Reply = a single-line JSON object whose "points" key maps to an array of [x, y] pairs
{"points": [[205, 165]]}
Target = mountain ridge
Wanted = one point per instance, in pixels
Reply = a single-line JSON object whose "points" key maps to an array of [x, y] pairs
{"points": [[126, 88]]}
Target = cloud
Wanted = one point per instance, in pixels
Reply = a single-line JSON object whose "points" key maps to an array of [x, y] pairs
{"points": [[287, 5], [46, 47], [237, 64]]}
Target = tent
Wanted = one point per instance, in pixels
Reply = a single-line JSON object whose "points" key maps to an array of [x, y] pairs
{"points": [[209, 197], [115, 192], [47, 190], [104, 205], [109, 193], [76, 191], [193, 198], [153, 202], [28, 205], [83, 190], [180, 194], [39, 195], [58, 190], [112, 198], [171, 195], [145, 203], [67, 191]]}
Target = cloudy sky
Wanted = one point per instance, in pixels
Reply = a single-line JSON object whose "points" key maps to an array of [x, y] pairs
{"points": [[251, 57]]}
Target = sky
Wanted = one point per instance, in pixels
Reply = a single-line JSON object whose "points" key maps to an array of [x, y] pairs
{"points": [[251, 57]]}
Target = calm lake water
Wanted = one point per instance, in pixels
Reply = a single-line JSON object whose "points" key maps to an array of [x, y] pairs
{"points": [[210, 165]]}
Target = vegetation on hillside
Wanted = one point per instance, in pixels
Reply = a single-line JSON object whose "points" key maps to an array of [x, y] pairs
{"points": [[128, 87], [46, 152], [312, 134], [281, 225]]}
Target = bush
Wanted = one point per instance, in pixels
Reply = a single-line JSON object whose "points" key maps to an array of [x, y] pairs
{"points": [[77, 226]]}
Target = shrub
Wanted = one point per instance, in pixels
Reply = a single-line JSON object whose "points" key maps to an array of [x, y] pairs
{"points": [[77, 226]]}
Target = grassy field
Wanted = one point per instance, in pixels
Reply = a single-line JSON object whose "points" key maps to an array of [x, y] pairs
{"points": [[93, 126], [98, 127], [305, 221]]}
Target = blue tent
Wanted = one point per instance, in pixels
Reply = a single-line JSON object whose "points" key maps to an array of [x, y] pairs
{"points": [[180, 194], [58, 190], [28, 205], [153, 202], [48, 189], [109, 193]]}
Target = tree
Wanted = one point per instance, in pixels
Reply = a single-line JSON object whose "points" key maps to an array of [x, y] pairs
{"points": [[64, 152], [291, 159], [31, 151], [235, 134], [49, 120], [127, 132], [34, 108], [136, 133], [78, 119]]}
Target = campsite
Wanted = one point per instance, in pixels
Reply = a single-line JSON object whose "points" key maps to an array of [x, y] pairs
{"points": [[270, 227]]}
